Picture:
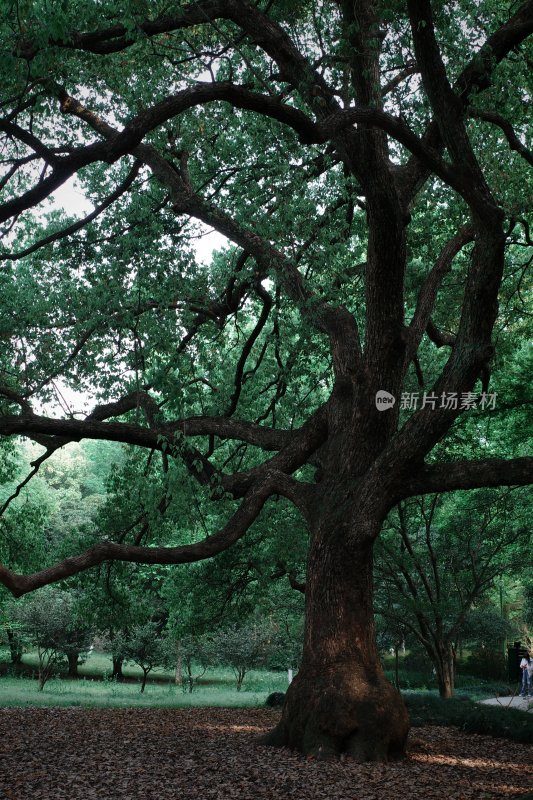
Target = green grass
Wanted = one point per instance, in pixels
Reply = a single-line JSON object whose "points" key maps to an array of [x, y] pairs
{"points": [[99, 665], [108, 694], [94, 689]]}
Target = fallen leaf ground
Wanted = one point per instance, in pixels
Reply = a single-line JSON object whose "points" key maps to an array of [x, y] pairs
{"points": [[208, 753]]}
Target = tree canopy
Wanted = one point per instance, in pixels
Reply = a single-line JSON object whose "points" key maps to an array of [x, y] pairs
{"points": [[356, 341]]}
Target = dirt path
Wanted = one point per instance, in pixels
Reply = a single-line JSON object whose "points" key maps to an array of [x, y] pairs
{"points": [[169, 754]]}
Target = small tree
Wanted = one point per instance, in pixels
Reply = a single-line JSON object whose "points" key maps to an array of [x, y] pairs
{"points": [[49, 625], [284, 650], [391, 634], [75, 647], [144, 646], [196, 655], [12, 636], [243, 648], [438, 558]]}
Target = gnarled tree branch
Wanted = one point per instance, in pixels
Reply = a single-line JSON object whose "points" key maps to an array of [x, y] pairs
{"points": [[452, 475], [216, 543]]}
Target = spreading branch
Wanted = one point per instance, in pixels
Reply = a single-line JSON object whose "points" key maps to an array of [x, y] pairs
{"points": [[453, 475], [216, 543], [475, 78], [497, 119], [76, 226], [337, 323], [428, 292]]}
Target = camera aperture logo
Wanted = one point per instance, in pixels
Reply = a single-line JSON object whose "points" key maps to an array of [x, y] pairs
{"points": [[384, 400]]}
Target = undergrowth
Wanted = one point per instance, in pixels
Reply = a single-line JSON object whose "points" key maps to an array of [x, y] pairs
{"points": [[471, 717]]}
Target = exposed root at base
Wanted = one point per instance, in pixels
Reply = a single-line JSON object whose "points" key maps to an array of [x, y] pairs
{"points": [[365, 722]]}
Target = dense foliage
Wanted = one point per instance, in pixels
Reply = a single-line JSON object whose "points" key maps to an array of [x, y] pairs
{"points": [[356, 340]]}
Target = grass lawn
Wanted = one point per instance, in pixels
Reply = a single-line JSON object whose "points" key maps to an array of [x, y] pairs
{"points": [[100, 665], [95, 690], [108, 694]]}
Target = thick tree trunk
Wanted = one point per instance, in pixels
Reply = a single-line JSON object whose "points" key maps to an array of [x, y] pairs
{"points": [[340, 701]]}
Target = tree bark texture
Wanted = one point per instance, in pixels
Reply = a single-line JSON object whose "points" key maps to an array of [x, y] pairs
{"points": [[445, 667], [340, 701]]}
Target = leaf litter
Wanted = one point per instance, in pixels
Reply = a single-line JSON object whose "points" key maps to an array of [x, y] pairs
{"points": [[213, 754]]}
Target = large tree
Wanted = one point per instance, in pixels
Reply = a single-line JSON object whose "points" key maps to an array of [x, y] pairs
{"points": [[366, 162]]}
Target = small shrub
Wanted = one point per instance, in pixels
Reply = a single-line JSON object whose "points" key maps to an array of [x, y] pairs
{"points": [[49, 624], [417, 661], [145, 647], [485, 662], [242, 648], [411, 679], [275, 700], [195, 657]]}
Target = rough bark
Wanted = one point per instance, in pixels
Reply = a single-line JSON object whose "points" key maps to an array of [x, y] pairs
{"points": [[446, 680], [340, 701], [445, 668]]}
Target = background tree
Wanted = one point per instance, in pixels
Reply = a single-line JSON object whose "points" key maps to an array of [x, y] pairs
{"points": [[391, 635], [50, 626], [196, 656], [438, 558], [528, 608], [365, 164], [243, 648], [145, 646], [485, 632], [22, 530]]}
